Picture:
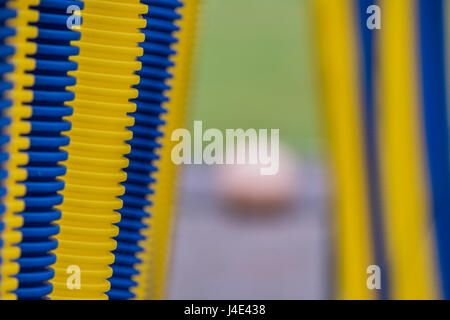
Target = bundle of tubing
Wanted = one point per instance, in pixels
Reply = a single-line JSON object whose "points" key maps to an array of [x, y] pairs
{"points": [[134, 225], [8, 221], [37, 94], [386, 113], [153, 280], [107, 62]]}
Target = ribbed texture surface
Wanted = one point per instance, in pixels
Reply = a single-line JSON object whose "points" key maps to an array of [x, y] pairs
{"points": [[156, 267], [5, 52], [138, 186], [81, 115], [19, 154], [50, 80], [106, 64]]}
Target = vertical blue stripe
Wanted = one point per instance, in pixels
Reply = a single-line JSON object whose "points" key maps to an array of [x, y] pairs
{"points": [[367, 74], [432, 47], [156, 60]]}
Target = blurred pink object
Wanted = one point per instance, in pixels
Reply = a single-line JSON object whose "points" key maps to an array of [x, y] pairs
{"points": [[243, 187]]}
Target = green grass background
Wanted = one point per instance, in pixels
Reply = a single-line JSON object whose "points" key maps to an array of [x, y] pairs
{"points": [[255, 69]]}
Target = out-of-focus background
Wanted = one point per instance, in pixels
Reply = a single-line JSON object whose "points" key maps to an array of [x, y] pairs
{"points": [[254, 70], [359, 208]]}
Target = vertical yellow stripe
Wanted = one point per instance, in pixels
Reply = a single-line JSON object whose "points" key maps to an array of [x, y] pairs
{"points": [[109, 47], [338, 62], [401, 150]]}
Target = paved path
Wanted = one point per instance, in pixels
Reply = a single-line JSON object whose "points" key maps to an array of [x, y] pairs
{"points": [[219, 256]]}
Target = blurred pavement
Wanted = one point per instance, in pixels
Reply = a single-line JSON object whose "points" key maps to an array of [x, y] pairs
{"points": [[219, 255]]}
